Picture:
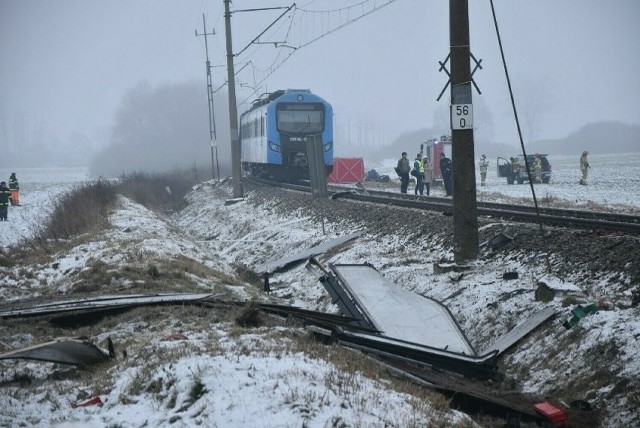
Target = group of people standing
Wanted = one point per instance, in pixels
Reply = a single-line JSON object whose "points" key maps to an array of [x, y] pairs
{"points": [[8, 195], [423, 173]]}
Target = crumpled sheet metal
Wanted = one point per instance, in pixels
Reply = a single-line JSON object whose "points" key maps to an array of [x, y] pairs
{"points": [[76, 351]]}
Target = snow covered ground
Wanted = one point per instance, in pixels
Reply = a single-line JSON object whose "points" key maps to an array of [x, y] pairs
{"points": [[614, 180], [257, 377]]}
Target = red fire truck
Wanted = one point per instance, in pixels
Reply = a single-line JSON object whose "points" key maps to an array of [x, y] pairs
{"points": [[432, 149]]}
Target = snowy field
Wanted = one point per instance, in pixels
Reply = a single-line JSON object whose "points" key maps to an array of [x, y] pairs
{"points": [[39, 188]]}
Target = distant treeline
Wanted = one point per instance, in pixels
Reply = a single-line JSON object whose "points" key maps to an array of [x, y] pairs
{"points": [[597, 138]]}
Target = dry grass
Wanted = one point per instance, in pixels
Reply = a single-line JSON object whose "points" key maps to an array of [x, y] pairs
{"points": [[82, 210], [158, 192]]}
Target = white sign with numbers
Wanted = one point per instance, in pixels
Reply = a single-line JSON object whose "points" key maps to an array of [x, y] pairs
{"points": [[461, 116]]}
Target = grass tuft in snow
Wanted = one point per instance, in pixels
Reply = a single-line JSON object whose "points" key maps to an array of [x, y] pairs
{"points": [[250, 316]]}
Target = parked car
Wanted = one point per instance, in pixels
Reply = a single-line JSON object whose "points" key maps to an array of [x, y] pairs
{"points": [[504, 169]]}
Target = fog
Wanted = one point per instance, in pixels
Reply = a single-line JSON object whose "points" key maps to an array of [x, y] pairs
{"points": [[69, 70]]}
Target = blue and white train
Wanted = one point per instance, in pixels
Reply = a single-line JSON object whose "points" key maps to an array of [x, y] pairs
{"points": [[273, 134]]}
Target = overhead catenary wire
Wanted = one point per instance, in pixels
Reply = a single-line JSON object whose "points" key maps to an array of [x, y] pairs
{"points": [[515, 113], [303, 31]]}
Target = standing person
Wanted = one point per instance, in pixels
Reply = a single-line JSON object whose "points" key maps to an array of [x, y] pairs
{"points": [[446, 170], [403, 169], [428, 174], [584, 167], [418, 165], [5, 197], [515, 169], [15, 189], [484, 166], [537, 167]]}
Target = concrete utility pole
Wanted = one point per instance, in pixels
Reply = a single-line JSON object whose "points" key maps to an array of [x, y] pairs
{"points": [[212, 116], [236, 170], [465, 214]]}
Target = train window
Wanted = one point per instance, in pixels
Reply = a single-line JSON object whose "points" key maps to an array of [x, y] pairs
{"points": [[300, 118]]}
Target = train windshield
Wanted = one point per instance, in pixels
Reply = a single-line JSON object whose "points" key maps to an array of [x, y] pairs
{"points": [[300, 118]]}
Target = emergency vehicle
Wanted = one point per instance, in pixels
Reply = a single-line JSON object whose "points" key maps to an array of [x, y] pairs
{"points": [[432, 149]]}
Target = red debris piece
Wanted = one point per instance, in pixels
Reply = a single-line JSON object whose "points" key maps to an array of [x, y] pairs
{"points": [[90, 402], [555, 415]]}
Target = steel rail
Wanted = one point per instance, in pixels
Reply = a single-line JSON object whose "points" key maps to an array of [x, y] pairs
{"points": [[570, 218], [560, 212]]}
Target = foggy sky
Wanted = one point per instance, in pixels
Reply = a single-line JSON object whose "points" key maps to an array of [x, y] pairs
{"points": [[66, 64]]}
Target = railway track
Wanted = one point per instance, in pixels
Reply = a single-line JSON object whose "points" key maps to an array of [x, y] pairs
{"points": [[568, 218]]}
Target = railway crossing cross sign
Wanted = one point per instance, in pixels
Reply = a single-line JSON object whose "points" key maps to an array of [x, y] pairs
{"points": [[443, 67]]}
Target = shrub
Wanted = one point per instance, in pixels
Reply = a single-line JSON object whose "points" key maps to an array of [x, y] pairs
{"points": [[159, 191], [83, 209]]}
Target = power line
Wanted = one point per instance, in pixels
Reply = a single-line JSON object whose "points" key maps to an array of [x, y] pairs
{"points": [[304, 20]]}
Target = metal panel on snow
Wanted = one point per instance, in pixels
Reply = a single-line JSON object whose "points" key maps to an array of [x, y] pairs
{"points": [[519, 331], [275, 265], [401, 314], [107, 302], [78, 351]]}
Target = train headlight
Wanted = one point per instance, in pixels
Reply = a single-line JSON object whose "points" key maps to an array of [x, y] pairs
{"points": [[273, 146], [328, 146]]}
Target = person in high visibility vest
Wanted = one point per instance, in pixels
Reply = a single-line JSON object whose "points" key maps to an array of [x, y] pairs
{"points": [[537, 167], [14, 186], [484, 166], [584, 167], [515, 169], [5, 197]]}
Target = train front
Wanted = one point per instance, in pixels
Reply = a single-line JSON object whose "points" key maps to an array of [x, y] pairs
{"points": [[294, 117]]}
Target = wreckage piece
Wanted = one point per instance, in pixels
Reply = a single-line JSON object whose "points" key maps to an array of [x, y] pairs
{"points": [[339, 294], [394, 311], [481, 367], [77, 351], [102, 302], [281, 263], [409, 325], [520, 331], [580, 312]]}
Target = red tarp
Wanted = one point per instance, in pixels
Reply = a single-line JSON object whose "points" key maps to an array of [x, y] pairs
{"points": [[347, 170]]}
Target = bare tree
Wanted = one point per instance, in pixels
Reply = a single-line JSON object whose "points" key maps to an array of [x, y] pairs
{"points": [[157, 129]]}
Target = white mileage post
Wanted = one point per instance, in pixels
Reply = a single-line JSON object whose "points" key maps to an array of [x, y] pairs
{"points": [[461, 116]]}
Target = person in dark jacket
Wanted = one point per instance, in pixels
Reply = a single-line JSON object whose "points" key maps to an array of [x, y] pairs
{"points": [[403, 169], [5, 197], [447, 173], [14, 186]]}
